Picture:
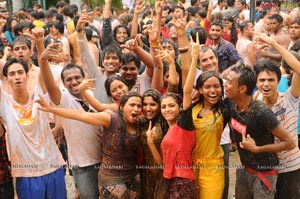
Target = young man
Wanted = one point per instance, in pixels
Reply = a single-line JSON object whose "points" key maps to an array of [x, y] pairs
{"points": [[36, 162], [227, 53], [277, 34], [21, 49], [285, 106], [254, 126], [83, 140], [244, 45], [294, 32]]}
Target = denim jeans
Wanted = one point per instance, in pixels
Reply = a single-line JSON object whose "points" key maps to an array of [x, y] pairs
{"points": [[248, 186], [86, 181]]}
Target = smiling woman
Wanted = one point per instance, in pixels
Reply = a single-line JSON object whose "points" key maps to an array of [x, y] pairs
{"points": [[118, 176]]}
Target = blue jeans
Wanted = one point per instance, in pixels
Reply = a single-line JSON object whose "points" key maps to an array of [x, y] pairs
{"points": [[86, 181], [50, 186], [226, 149], [248, 186]]}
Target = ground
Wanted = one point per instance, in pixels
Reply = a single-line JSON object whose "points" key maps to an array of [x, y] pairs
{"points": [[234, 162]]}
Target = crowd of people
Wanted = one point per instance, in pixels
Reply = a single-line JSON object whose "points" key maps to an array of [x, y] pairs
{"points": [[149, 103]]}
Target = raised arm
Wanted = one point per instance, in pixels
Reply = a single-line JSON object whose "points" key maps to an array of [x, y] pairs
{"points": [[183, 47], [96, 104], [143, 55], [53, 50], [288, 58], [100, 118], [107, 35], [135, 21], [88, 61], [188, 86]]}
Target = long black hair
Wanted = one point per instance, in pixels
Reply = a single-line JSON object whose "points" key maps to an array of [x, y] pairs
{"points": [[123, 128]]}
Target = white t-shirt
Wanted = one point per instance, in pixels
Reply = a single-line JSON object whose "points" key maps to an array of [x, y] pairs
{"points": [[83, 140], [31, 146]]}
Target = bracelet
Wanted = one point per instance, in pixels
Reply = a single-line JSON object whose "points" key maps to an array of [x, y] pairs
{"points": [[79, 30], [155, 44], [183, 50]]}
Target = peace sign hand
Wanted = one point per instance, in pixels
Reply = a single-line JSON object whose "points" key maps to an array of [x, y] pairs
{"points": [[151, 134], [195, 46]]}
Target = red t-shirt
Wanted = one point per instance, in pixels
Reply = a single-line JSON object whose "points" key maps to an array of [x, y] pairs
{"points": [[177, 147]]}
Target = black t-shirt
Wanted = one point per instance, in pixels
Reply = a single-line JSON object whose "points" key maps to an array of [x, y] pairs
{"points": [[258, 121]]}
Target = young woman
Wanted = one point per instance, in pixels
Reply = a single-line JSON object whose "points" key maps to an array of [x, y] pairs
{"points": [[230, 32], [178, 143], [115, 88], [153, 183], [118, 176], [209, 118]]}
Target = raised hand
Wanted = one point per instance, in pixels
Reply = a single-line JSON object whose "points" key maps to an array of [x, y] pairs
{"points": [[261, 37], [83, 19], [87, 84], [154, 34], [131, 44], [44, 106], [151, 134], [180, 25], [165, 56], [37, 34], [139, 8], [53, 51], [195, 46]]}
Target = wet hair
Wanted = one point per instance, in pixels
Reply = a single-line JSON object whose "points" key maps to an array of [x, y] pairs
{"points": [[200, 82], [269, 67], [117, 29], [112, 49], [130, 57], [11, 61], [247, 77], [155, 94], [22, 39], [109, 81], [68, 67], [217, 23], [201, 34], [123, 127]]}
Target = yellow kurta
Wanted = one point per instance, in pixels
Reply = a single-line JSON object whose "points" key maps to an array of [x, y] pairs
{"points": [[208, 154]]}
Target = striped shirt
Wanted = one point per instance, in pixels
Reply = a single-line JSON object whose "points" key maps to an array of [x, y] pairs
{"points": [[286, 111]]}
